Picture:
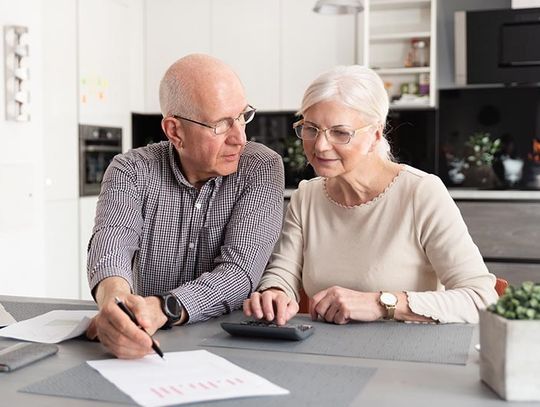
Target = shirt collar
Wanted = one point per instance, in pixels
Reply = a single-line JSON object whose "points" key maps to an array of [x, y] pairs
{"points": [[174, 161]]}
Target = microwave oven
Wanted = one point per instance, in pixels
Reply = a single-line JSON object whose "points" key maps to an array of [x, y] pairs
{"points": [[497, 46]]}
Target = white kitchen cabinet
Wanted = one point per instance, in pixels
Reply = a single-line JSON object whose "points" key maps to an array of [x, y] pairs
{"points": [[110, 44], [389, 28], [276, 47], [173, 29], [87, 210], [61, 242], [245, 34], [60, 150], [311, 43]]}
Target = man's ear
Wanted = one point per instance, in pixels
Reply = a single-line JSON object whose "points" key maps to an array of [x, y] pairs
{"points": [[171, 128]]}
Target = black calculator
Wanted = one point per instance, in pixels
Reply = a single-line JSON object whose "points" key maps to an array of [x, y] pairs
{"points": [[262, 329]]}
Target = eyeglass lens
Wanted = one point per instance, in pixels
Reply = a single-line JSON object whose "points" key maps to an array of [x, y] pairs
{"points": [[334, 135], [243, 118]]}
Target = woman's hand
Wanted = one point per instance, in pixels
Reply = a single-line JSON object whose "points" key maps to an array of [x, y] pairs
{"points": [[271, 304], [340, 305], [119, 334]]}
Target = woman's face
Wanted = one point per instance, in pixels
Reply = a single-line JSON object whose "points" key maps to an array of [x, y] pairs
{"points": [[331, 160]]}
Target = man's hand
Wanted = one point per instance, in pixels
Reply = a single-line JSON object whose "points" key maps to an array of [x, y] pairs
{"points": [[114, 328], [271, 304], [119, 334]]}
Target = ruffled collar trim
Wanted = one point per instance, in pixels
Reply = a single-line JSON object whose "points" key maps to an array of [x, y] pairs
{"points": [[371, 201]]}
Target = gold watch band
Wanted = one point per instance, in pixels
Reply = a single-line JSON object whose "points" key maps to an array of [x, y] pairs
{"points": [[389, 302], [390, 311]]}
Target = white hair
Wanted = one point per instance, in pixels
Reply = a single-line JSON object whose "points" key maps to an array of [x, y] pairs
{"points": [[357, 87]]}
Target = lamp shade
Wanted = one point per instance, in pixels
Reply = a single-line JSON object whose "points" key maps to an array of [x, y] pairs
{"points": [[338, 6]]}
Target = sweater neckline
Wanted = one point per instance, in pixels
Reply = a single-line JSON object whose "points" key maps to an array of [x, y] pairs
{"points": [[371, 201]]}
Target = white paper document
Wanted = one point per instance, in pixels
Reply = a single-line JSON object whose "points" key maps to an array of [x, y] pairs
{"points": [[52, 327], [183, 377], [5, 317]]}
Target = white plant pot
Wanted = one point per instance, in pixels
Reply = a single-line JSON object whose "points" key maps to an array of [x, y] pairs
{"points": [[510, 356]]}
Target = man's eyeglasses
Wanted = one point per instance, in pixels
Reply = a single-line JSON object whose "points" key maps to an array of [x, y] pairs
{"points": [[223, 126], [334, 135]]}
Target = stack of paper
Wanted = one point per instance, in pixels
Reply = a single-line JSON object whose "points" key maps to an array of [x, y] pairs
{"points": [[52, 327]]}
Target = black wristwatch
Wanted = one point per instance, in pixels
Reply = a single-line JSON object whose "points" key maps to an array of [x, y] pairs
{"points": [[172, 309]]}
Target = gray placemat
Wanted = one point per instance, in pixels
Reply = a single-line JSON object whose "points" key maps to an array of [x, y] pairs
{"points": [[310, 384], [80, 382], [444, 343], [24, 310]]}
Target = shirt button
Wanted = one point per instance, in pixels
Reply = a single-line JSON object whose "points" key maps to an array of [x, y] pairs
{"points": [[198, 205], [191, 245]]}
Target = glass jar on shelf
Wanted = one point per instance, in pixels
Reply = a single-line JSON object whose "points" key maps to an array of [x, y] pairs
{"points": [[423, 83], [420, 52]]}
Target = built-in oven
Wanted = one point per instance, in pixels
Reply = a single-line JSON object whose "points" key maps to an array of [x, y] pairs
{"points": [[97, 147]]}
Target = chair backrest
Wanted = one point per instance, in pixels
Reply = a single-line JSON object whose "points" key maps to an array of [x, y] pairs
{"points": [[304, 303], [500, 286]]}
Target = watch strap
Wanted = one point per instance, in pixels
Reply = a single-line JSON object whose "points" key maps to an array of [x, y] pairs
{"points": [[172, 318], [390, 308], [390, 311]]}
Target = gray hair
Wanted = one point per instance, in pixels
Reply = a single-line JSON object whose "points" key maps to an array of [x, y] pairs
{"points": [[357, 87]]}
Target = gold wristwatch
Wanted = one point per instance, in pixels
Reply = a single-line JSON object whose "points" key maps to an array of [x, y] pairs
{"points": [[388, 301]]}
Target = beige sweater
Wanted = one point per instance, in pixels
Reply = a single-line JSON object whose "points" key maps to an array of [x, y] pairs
{"points": [[410, 238]]}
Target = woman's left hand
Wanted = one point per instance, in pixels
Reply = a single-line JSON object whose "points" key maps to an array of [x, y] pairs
{"points": [[341, 305]]}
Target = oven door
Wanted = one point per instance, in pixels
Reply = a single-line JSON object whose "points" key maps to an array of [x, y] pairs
{"points": [[97, 148]]}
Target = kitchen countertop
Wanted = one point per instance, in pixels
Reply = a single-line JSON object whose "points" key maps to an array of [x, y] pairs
{"points": [[480, 195]]}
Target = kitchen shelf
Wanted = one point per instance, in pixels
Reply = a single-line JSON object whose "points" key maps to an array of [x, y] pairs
{"points": [[402, 71], [398, 4], [389, 29], [399, 36]]}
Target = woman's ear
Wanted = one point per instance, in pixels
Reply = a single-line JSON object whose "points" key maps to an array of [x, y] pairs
{"points": [[171, 128], [377, 137]]}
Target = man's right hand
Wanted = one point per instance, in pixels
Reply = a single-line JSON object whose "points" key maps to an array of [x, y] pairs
{"points": [[114, 328], [272, 305]]}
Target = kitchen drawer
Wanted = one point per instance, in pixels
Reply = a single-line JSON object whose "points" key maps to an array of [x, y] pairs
{"points": [[504, 230]]}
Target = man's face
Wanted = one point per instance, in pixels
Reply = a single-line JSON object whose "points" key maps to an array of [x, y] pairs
{"points": [[204, 154]]}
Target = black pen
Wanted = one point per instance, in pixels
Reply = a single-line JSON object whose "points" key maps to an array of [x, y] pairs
{"points": [[134, 320]]}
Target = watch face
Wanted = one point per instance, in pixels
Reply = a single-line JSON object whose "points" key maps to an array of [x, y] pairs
{"points": [[173, 306], [388, 299]]}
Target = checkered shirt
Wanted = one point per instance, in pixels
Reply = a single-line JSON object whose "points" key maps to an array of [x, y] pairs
{"points": [[209, 247]]}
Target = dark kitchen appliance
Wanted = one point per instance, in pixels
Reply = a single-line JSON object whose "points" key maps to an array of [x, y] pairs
{"points": [[497, 46], [97, 147]]}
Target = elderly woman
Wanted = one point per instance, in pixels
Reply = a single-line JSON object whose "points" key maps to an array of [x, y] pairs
{"points": [[369, 238]]}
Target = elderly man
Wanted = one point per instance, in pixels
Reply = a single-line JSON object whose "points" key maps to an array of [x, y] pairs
{"points": [[185, 227]]}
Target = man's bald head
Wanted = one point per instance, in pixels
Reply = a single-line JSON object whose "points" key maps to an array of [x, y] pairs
{"points": [[190, 83]]}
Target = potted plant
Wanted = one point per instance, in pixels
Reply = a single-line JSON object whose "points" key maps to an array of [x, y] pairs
{"points": [[510, 344], [295, 162], [481, 152]]}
